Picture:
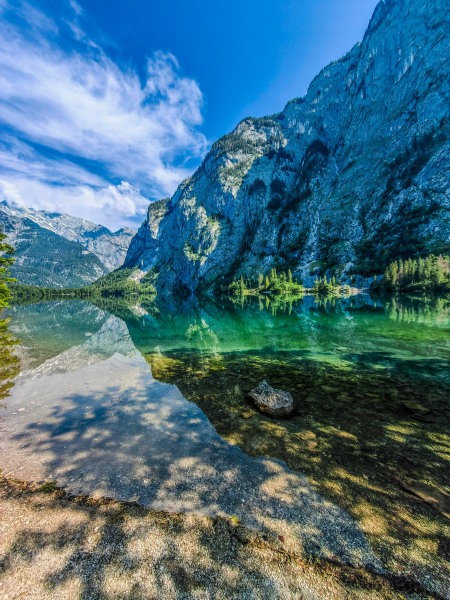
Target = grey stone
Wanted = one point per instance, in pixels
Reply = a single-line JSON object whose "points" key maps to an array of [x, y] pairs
{"points": [[271, 401]]}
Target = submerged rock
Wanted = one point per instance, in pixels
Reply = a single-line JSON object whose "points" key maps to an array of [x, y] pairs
{"points": [[275, 403]]}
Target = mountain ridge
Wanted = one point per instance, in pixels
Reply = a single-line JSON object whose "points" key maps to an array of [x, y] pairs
{"points": [[344, 179], [59, 250]]}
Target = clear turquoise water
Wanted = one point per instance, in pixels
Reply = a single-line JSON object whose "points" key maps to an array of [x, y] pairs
{"points": [[370, 380]]}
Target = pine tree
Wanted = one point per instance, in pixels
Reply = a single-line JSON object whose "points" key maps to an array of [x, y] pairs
{"points": [[393, 273], [401, 272], [421, 270], [242, 286], [6, 260], [432, 272]]}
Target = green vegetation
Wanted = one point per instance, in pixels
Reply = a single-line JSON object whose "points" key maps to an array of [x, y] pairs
{"points": [[122, 283], [268, 121], [298, 100], [48, 487], [402, 235], [6, 260], [431, 273], [159, 204], [398, 238], [47, 259], [125, 283], [411, 160], [9, 361], [233, 142], [277, 284], [284, 286], [329, 287]]}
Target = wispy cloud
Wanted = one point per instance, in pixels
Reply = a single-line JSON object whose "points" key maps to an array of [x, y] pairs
{"points": [[74, 123]]}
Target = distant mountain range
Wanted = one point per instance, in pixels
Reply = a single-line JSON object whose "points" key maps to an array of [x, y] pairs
{"points": [[59, 250]]}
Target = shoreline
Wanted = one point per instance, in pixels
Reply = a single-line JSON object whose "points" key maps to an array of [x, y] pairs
{"points": [[100, 546]]}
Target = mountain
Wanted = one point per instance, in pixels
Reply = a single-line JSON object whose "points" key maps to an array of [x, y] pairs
{"points": [[343, 180], [59, 250]]}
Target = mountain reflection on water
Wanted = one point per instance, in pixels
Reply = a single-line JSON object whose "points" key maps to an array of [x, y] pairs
{"points": [[152, 407]]}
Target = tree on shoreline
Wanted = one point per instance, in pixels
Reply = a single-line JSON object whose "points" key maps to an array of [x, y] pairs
{"points": [[424, 273], [6, 260], [274, 283]]}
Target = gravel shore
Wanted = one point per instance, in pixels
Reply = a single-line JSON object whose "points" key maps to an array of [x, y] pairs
{"points": [[53, 545]]}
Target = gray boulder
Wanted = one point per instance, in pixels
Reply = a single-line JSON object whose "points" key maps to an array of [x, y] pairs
{"points": [[270, 401]]}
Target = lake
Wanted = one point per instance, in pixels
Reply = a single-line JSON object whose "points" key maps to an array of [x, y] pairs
{"points": [[151, 406]]}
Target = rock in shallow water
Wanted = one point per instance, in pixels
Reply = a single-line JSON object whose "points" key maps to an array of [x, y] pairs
{"points": [[275, 403]]}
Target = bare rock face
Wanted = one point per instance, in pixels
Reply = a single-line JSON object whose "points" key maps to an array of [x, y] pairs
{"points": [[270, 401], [143, 249], [354, 174]]}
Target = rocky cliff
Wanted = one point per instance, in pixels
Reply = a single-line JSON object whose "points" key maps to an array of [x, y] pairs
{"points": [[59, 250], [344, 179]]}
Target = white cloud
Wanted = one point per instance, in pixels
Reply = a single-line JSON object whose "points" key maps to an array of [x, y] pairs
{"points": [[76, 7], [80, 106], [114, 206]]}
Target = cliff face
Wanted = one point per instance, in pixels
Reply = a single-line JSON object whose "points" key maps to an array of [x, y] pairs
{"points": [[145, 243], [59, 250], [350, 176]]}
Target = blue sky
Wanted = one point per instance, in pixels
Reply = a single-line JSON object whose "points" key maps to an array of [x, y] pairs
{"points": [[105, 105]]}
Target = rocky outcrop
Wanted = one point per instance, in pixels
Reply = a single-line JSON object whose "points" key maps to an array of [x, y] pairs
{"points": [[143, 248], [58, 250], [270, 401], [346, 178]]}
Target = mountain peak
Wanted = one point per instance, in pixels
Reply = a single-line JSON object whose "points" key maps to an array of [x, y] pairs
{"points": [[69, 239], [345, 179]]}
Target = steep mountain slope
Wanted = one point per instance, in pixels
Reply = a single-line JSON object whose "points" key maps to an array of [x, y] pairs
{"points": [[350, 176], [109, 247], [59, 250], [45, 258]]}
